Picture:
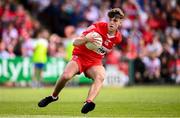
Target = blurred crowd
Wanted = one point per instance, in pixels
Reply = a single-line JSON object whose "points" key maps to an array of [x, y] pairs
{"points": [[151, 32]]}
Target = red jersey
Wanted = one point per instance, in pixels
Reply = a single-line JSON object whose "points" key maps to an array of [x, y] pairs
{"points": [[107, 43]]}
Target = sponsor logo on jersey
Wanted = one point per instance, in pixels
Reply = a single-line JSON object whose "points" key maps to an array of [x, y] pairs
{"points": [[102, 50]]}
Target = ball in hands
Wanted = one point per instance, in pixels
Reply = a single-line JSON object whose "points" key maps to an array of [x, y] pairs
{"points": [[97, 43]]}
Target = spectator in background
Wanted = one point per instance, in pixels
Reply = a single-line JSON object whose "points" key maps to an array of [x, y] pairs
{"points": [[153, 65], [70, 34], [165, 59], [92, 12], [10, 49], [3, 53], [20, 13], [155, 45], [54, 40], [40, 57], [8, 14], [174, 32], [130, 9], [1, 9], [147, 35], [52, 48], [178, 66], [61, 53], [139, 66], [27, 44], [9, 34], [176, 13], [103, 10], [81, 26], [131, 50]]}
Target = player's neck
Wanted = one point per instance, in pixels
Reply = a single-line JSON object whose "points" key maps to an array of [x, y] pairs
{"points": [[111, 33]]}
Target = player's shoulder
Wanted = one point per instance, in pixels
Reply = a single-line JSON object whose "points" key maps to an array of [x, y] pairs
{"points": [[118, 34], [118, 37]]}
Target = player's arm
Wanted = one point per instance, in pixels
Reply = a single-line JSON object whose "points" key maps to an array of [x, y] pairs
{"points": [[80, 41], [84, 38]]}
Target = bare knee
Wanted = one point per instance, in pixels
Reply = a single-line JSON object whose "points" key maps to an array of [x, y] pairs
{"points": [[100, 78], [66, 76]]}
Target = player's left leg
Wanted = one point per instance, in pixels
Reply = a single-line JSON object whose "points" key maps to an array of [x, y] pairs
{"points": [[98, 74], [70, 70]]}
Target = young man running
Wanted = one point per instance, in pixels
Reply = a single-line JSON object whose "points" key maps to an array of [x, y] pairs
{"points": [[88, 61]]}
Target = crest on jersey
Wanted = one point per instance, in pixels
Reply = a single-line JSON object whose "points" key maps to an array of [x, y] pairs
{"points": [[107, 42]]}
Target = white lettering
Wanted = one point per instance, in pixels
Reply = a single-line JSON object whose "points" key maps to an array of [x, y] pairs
{"points": [[15, 70], [25, 67], [4, 68]]}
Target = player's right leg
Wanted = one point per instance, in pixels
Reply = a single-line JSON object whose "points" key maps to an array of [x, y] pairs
{"points": [[71, 69], [98, 74]]}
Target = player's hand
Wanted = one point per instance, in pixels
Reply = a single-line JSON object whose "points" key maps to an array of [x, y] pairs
{"points": [[89, 39]]}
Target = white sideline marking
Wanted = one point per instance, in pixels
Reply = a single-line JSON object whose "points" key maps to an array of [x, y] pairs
{"points": [[58, 116], [48, 116]]}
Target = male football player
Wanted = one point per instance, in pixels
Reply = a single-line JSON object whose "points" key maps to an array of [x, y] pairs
{"points": [[88, 61]]}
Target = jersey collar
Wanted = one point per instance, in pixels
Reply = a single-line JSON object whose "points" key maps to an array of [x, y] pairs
{"points": [[114, 36], [110, 36]]}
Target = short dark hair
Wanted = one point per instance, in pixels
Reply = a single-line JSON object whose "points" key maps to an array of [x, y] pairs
{"points": [[116, 12]]}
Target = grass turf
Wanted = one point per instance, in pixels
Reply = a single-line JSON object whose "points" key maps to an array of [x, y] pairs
{"points": [[137, 101]]}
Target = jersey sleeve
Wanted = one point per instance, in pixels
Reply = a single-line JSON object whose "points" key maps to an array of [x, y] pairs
{"points": [[95, 27], [89, 29]]}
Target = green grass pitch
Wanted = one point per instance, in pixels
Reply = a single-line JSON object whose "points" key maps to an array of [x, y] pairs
{"points": [[135, 101]]}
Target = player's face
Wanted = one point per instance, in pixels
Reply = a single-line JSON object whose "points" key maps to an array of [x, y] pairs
{"points": [[114, 23]]}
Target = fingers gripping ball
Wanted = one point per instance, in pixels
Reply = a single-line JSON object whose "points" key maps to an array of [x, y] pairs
{"points": [[96, 43]]}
